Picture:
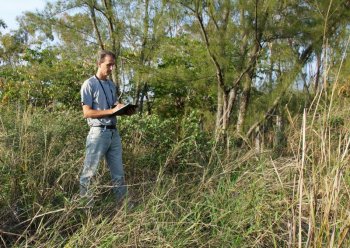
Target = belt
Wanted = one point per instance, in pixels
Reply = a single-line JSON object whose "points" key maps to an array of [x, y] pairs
{"points": [[107, 127]]}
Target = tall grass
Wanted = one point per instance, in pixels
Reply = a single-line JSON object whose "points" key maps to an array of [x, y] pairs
{"points": [[186, 194]]}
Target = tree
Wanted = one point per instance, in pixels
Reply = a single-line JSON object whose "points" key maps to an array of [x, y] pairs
{"points": [[233, 53], [241, 37], [255, 51]]}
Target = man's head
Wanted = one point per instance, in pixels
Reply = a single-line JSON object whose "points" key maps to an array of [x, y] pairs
{"points": [[105, 63]]}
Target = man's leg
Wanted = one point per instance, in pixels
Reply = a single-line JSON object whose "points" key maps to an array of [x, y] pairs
{"points": [[115, 164], [97, 143]]}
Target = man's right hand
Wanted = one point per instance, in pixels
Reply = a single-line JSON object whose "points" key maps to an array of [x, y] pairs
{"points": [[117, 107]]}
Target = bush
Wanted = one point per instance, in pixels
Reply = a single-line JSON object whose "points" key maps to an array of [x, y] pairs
{"points": [[150, 141]]}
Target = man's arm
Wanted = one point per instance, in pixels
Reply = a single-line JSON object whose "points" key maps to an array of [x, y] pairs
{"points": [[93, 113]]}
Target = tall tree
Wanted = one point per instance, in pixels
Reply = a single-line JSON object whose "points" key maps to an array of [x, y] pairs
{"points": [[238, 36], [232, 37]]}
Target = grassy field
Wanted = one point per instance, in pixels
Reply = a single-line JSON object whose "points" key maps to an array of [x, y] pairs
{"points": [[188, 192]]}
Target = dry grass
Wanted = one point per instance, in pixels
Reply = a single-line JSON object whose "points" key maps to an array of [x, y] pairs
{"points": [[250, 200]]}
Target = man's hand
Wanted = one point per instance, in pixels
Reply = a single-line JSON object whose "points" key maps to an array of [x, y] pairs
{"points": [[129, 111], [118, 106]]}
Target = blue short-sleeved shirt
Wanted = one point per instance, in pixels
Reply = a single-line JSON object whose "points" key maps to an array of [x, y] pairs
{"points": [[93, 95]]}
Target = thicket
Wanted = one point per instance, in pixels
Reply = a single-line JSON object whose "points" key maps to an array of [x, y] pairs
{"points": [[188, 191]]}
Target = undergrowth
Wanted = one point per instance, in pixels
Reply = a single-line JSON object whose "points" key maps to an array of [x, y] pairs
{"points": [[187, 191]]}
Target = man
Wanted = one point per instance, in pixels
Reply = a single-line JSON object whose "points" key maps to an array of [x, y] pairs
{"points": [[99, 101]]}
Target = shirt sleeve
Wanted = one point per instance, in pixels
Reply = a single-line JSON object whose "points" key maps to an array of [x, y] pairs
{"points": [[86, 94]]}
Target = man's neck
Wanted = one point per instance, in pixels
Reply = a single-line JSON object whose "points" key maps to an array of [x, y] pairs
{"points": [[101, 77]]}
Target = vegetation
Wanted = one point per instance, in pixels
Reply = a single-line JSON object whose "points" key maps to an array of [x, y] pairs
{"points": [[242, 135]]}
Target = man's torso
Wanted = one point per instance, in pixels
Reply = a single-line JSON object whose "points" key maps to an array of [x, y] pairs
{"points": [[99, 95]]}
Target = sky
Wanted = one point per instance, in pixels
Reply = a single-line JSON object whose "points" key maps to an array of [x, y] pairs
{"points": [[10, 9]]}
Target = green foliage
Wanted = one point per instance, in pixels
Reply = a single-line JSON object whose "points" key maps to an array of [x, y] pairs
{"points": [[183, 78], [45, 80], [165, 49], [150, 140], [147, 138], [336, 122], [11, 45]]}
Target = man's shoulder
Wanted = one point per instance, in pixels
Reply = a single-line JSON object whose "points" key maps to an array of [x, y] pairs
{"points": [[90, 82]]}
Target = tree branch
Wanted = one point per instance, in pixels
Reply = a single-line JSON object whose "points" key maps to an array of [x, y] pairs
{"points": [[94, 23]]}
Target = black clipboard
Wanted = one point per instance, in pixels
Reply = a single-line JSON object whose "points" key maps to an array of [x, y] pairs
{"points": [[125, 109]]}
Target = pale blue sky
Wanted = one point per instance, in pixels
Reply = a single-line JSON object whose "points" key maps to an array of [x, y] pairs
{"points": [[10, 9]]}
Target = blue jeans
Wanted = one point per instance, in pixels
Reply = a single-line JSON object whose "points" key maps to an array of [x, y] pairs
{"points": [[105, 143]]}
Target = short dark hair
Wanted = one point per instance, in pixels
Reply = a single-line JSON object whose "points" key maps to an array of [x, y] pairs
{"points": [[102, 54]]}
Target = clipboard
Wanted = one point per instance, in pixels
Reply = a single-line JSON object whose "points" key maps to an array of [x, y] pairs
{"points": [[125, 109]]}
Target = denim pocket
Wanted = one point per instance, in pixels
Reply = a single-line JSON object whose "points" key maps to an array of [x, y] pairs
{"points": [[96, 133]]}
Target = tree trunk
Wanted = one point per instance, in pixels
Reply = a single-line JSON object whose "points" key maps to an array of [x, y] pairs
{"points": [[115, 41], [243, 106], [257, 140], [318, 71], [140, 85], [94, 24], [231, 97], [144, 96], [279, 136], [248, 85], [250, 68], [219, 111], [220, 79]]}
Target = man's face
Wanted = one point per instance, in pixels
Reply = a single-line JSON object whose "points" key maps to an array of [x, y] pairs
{"points": [[107, 66]]}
